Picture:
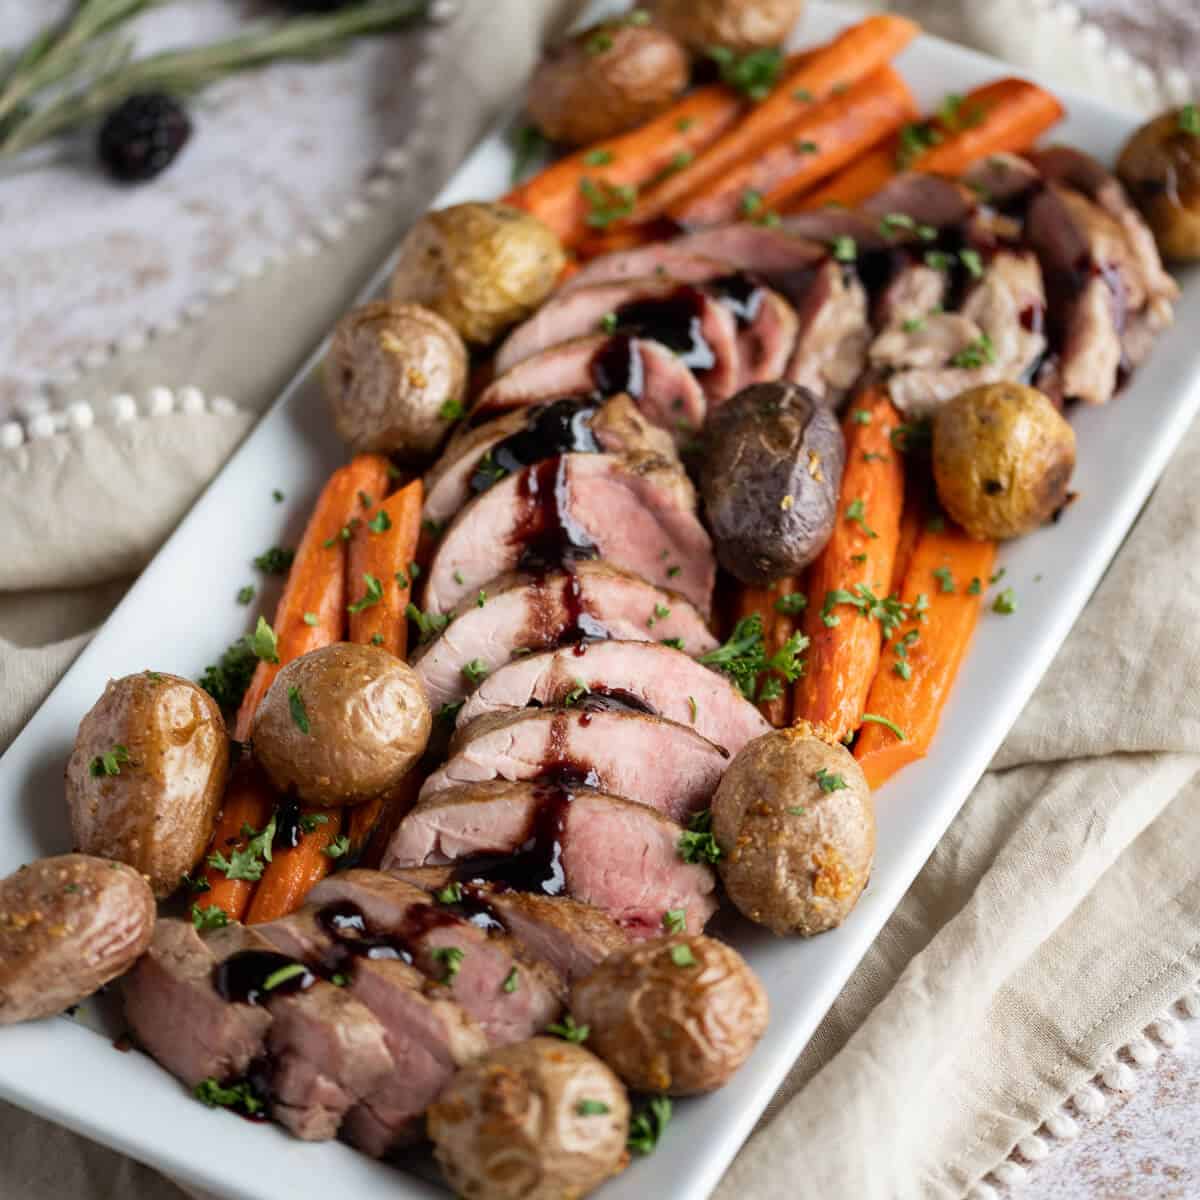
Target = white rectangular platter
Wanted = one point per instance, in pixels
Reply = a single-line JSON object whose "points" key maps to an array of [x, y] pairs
{"points": [[181, 613]]}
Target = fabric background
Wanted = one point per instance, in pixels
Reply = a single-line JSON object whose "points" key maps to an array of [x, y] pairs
{"points": [[1057, 916]]}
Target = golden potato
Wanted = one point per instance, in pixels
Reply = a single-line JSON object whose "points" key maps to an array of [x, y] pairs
{"points": [[1160, 166], [740, 25]]}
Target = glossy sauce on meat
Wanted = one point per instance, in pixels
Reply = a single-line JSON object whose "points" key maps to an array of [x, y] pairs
{"points": [[617, 367], [742, 294], [563, 427], [243, 977], [548, 535], [675, 321], [288, 830]]}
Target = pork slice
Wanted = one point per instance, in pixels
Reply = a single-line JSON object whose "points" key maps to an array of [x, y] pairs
{"points": [[659, 382], [1001, 178], [616, 426], [179, 1017], [927, 199], [927, 346], [913, 293], [766, 336], [641, 758], [834, 334], [659, 678], [679, 315], [785, 261], [1009, 305], [524, 613], [469, 963], [826, 226], [637, 513], [1087, 365], [660, 260]]}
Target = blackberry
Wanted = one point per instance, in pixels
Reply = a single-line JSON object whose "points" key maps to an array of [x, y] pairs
{"points": [[142, 136]]}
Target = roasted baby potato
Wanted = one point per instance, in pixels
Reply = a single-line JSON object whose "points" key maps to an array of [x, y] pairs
{"points": [[675, 1014], [67, 926], [770, 479], [341, 725], [795, 822], [394, 379], [1160, 166], [606, 80], [483, 267], [1002, 459], [536, 1120], [145, 779], [739, 25]]}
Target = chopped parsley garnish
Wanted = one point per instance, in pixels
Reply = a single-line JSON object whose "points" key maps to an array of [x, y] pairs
{"points": [[889, 611], [648, 1126], [743, 659], [999, 575], [364, 500], [280, 977], [807, 148], [372, 595], [751, 202], [684, 124], [682, 956], [310, 821], [339, 847], [237, 1096], [212, 917], [945, 579], [529, 146], [693, 708], [913, 325], [277, 496], [297, 709], [592, 1108], [872, 719], [675, 920], [598, 157], [889, 223], [975, 586], [481, 599], [607, 202], [311, 618], [792, 604], [245, 594], [938, 260], [448, 712], [915, 139], [1189, 119], [828, 781], [343, 535], [428, 624], [672, 571], [263, 643], [577, 693], [609, 323], [275, 561], [845, 249], [971, 260], [380, 522], [674, 643], [859, 558], [753, 74], [568, 1030], [451, 410], [458, 578], [109, 762], [797, 810], [954, 117], [860, 416], [1005, 603], [856, 513], [683, 158], [911, 435], [598, 43], [512, 981], [902, 669], [377, 639], [246, 862], [979, 353], [452, 893], [803, 95], [475, 671], [696, 843]]}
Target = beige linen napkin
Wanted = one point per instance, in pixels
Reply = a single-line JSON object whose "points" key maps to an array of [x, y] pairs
{"points": [[1057, 916]]}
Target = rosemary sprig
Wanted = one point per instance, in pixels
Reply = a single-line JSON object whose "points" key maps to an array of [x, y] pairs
{"points": [[187, 70]]}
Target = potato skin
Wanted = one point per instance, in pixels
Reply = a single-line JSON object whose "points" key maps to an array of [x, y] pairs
{"points": [[795, 857], [772, 470], [1160, 166], [741, 25], [483, 267], [368, 722], [669, 1027], [1002, 459], [68, 925], [606, 80], [390, 370], [509, 1126], [157, 813]]}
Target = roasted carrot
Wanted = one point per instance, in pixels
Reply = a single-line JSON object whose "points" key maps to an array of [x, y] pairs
{"points": [[381, 552], [850, 57], [248, 804], [1006, 115], [627, 237], [912, 521], [944, 589], [596, 187], [827, 137], [848, 582], [779, 618], [312, 609], [294, 871]]}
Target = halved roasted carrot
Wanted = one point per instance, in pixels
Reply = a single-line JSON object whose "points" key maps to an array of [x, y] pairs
{"points": [[248, 803], [597, 187], [848, 582], [780, 621], [944, 588], [912, 521], [312, 609], [812, 148], [294, 871], [378, 583], [1007, 115], [821, 73]]}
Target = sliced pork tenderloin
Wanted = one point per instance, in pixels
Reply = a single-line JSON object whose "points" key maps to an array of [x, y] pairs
{"points": [[784, 261], [659, 382], [618, 855], [700, 331], [766, 327], [472, 965], [485, 454], [638, 757], [833, 335], [1000, 179], [914, 292], [659, 260], [925, 200], [661, 679], [524, 613], [636, 512]]}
